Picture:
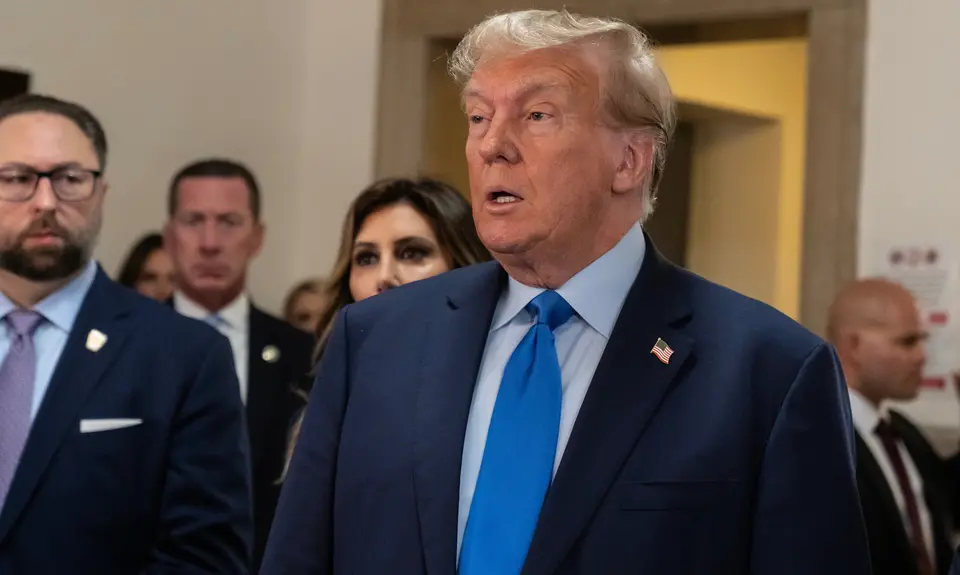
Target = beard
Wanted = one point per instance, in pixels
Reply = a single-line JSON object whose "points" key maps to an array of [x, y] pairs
{"points": [[48, 263]]}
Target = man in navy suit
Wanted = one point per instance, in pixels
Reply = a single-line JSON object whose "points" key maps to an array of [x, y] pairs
{"points": [[213, 233], [580, 406], [122, 439]]}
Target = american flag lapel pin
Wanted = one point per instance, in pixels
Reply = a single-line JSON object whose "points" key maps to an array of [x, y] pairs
{"points": [[662, 351]]}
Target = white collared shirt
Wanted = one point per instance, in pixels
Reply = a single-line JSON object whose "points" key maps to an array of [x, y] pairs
{"points": [[234, 323], [596, 294], [865, 419]]}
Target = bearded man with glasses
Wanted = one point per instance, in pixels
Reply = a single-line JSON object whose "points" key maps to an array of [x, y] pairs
{"points": [[122, 440]]}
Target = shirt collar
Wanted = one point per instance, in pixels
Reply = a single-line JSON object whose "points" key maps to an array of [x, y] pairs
{"points": [[866, 416], [234, 314], [596, 292], [62, 306]]}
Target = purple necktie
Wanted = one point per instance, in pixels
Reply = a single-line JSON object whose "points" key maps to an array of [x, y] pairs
{"points": [[16, 393]]}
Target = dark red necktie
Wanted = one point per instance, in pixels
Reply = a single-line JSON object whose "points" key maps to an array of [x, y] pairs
{"points": [[889, 437]]}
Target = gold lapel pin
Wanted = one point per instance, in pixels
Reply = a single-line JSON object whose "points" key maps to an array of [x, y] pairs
{"points": [[95, 340], [270, 354]]}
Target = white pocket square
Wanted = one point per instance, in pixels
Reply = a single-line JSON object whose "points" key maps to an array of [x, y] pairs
{"points": [[95, 425]]}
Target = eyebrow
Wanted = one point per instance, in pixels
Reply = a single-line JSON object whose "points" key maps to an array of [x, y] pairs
{"points": [[526, 90], [55, 167], [211, 214], [402, 241]]}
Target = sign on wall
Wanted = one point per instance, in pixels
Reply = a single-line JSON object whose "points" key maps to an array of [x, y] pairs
{"points": [[931, 271]]}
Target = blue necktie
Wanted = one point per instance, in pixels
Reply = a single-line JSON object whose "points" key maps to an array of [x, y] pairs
{"points": [[518, 457]]}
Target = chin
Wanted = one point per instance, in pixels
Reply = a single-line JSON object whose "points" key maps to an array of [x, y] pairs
{"points": [[909, 395], [505, 239], [209, 284]]}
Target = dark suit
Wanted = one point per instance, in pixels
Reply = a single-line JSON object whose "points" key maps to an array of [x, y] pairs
{"points": [[736, 457], [890, 549], [271, 408], [171, 494]]}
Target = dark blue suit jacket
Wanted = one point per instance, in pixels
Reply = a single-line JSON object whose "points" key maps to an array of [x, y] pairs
{"points": [[734, 458], [171, 495]]}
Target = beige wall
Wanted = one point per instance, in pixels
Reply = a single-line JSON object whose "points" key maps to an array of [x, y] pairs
{"points": [[911, 170], [263, 82], [336, 126]]}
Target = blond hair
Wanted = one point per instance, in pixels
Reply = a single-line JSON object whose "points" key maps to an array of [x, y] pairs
{"points": [[637, 93]]}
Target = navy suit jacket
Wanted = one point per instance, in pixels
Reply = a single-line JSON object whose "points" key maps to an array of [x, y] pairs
{"points": [[736, 457], [170, 495], [890, 548], [272, 407]]}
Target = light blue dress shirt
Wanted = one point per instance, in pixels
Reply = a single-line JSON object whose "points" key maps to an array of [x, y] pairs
{"points": [[59, 310], [596, 294]]}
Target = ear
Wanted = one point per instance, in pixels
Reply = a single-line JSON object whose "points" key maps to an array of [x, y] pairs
{"points": [[636, 162], [851, 344], [259, 231]]}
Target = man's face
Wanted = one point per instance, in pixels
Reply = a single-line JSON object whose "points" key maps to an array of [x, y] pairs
{"points": [[213, 234], [44, 238], [542, 165], [890, 355]]}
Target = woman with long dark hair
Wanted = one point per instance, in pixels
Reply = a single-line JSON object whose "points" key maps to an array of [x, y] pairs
{"points": [[148, 268], [397, 231]]}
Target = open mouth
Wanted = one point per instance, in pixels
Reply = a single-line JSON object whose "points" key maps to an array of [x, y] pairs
{"points": [[503, 197]]}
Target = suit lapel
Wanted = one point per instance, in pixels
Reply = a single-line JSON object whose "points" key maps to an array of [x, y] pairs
{"points": [[869, 471], [628, 386], [941, 526], [77, 374], [452, 350], [261, 377], [927, 463]]}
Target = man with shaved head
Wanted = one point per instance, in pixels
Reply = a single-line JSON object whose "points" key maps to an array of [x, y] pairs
{"points": [[907, 492]]}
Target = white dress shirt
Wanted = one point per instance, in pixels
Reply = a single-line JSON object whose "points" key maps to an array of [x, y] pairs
{"points": [[865, 419], [596, 294], [233, 321]]}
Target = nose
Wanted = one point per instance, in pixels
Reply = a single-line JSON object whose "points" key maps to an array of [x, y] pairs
{"points": [[45, 199], [209, 237], [387, 277], [920, 354], [498, 144]]}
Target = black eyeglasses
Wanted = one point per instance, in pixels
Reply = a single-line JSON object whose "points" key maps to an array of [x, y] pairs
{"points": [[70, 184]]}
